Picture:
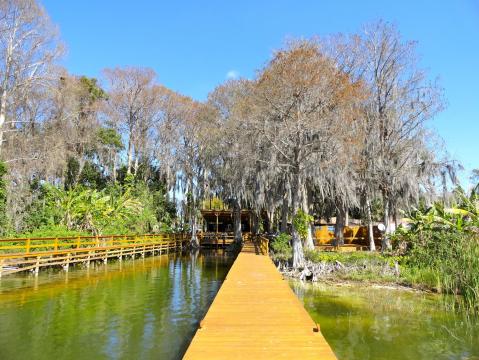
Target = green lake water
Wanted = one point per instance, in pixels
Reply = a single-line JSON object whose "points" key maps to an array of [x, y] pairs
{"points": [[141, 309], [150, 309], [365, 323]]}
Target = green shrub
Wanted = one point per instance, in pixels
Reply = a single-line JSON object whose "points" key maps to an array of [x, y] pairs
{"points": [[51, 231], [351, 258], [443, 248], [301, 222], [281, 247]]}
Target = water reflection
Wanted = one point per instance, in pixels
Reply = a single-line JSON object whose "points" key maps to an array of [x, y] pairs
{"points": [[370, 323], [143, 309]]}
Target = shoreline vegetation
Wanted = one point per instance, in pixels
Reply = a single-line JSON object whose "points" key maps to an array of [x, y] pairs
{"points": [[437, 250], [350, 269]]}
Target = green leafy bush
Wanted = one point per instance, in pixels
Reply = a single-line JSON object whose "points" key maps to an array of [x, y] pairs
{"points": [[281, 247], [129, 208], [50, 231], [444, 244], [356, 257], [301, 222]]}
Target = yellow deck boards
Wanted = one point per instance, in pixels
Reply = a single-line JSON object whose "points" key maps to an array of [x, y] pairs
{"points": [[256, 315]]}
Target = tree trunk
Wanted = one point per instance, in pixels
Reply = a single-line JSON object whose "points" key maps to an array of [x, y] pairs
{"points": [[254, 223], [192, 212], [386, 242], [372, 245], [115, 161], [284, 214], [396, 222], [339, 227], [135, 166], [270, 215], [298, 254], [3, 115], [81, 166], [237, 221], [193, 225], [308, 242], [129, 157]]}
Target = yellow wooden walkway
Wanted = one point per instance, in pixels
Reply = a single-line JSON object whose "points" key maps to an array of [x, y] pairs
{"points": [[256, 315]]}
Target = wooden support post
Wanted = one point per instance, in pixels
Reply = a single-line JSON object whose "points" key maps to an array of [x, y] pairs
{"points": [[37, 266], [27, 249], [78, 242], [105, 260], [88, 260], [120, 258], [67, 264], [55, 244]]}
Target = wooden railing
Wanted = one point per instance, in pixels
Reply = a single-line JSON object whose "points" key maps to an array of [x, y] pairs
{"points": [[215, 240], [261, 243], [28, 246], [33, 253]]}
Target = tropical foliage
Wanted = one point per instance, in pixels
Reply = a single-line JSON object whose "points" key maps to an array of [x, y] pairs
{"points": [[114, 209], [445, 240]]}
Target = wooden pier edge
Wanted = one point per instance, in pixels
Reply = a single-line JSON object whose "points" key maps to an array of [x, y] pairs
{"points": [[256, 315]]}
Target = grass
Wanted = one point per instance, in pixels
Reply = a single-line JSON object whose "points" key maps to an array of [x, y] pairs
{"points": [[377, 268], [348, 258]]}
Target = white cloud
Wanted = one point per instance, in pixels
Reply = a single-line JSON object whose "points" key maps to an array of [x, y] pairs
{"points": [[232, 74]]}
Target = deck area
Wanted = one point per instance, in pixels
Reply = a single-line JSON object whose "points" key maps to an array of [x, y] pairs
{"points": [[256, 315]]}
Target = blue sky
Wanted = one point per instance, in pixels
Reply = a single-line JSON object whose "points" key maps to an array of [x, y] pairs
{"points": [[194, 45]]}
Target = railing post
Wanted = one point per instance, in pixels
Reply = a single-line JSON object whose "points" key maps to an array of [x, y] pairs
{"points": [[97, 241], [27, 250], [55, 244], [78, 242]]}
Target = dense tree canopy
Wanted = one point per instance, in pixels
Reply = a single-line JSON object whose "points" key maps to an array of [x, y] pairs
{"points": [[327, 127]]}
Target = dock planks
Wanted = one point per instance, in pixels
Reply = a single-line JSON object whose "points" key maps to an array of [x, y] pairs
{"points": [[256, 315]]}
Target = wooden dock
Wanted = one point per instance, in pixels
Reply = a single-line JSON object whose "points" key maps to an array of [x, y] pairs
{"points": [[256, 315]]}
